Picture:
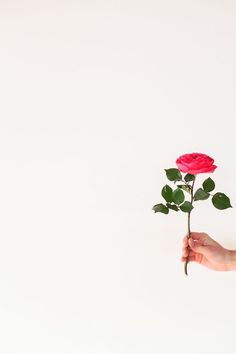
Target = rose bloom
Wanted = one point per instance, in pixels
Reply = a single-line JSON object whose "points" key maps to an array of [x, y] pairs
{"points": [[195, 163]]}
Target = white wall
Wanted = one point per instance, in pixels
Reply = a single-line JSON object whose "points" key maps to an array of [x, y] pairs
{"points": [[97, 98]]}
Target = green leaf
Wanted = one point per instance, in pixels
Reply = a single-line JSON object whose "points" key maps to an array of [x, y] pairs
{"points": [[208, 185], [200, 194], [160, 208], [173, 174], [167, 193], [172, 206], [186, 207], [221, 201], [178, 196], [184, 187], [189, 177]]}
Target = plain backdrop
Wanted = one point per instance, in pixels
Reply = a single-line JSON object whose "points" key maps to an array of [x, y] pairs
{"points": [[97, 98]]}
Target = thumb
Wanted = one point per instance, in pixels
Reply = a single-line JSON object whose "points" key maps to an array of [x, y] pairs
{"points": [[196, 247]]}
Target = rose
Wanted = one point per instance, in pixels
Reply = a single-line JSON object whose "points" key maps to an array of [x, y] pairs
{"points": [[191, 164], [195, 163]]}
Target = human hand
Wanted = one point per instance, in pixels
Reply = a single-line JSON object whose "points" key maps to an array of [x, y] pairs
{"points": [[206, 251]]}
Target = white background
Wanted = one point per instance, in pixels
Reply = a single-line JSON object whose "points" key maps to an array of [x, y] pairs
{"points": [[96, 99]]}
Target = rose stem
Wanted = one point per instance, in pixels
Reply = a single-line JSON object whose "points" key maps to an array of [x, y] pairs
{"points": [[189, 232]]}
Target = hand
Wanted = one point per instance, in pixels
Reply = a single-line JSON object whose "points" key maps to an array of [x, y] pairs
{"points": [[206, 251]]}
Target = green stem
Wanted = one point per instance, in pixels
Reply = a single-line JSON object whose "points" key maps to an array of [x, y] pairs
{"points": [[186, 183], [189, 231]]}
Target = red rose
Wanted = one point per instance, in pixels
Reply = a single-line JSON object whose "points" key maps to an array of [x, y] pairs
{"points": [[195, 163]]}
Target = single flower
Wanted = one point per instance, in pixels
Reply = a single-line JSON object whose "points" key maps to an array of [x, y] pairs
{"points": [[191, 164], [195, 163]]}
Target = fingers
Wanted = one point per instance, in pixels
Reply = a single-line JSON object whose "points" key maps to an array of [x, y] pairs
{"points": [[198, 237], [185, 241], [185, 252], [191, 258], [196, 246], [188, 242]]}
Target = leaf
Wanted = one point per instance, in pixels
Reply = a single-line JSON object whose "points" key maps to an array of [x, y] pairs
{"points": [[178, 196], [173, 174], [186, 207], [167, 193], [221, 201], [200, 194], [160, 208], [208, 185], [184, 187], [189, 177], [172, 206]]}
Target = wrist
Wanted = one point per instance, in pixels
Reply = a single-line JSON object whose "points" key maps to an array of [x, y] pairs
{"points": [[231, 259]]}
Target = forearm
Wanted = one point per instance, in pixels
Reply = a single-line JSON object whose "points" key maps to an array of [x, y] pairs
{"points": [[231, 259]]}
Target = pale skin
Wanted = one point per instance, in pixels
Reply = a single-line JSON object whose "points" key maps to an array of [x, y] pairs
{"points": [[209, 253]]}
